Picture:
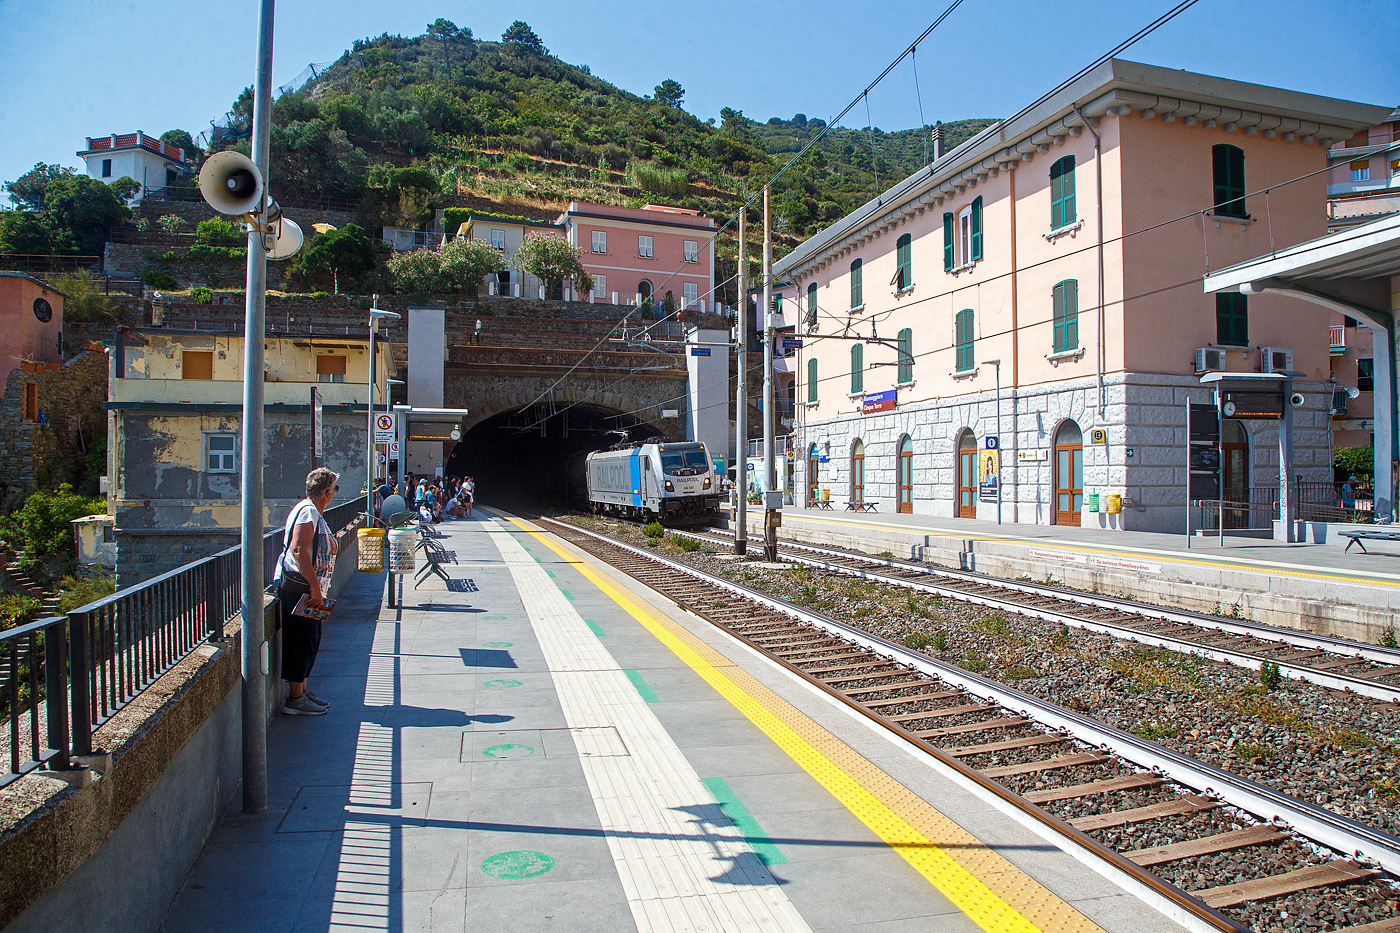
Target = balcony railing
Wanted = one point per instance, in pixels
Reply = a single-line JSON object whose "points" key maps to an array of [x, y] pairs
{"points": [[1337, 339], [90, 664]]}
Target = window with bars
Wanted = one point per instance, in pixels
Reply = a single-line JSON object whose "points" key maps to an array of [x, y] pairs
{"points": [[644, 247], [1066, 305], [600, 241], [906, 355], [903, 260], [1232, 319], [692, 251], [1062, 208], [857, 369], [857, 292], [1228, 169], [964, 331], [220, 453], [811, 381], [811, 304]]}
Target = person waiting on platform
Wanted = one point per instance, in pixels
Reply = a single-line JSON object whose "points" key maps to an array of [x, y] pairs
{"points": [[304, 572]]}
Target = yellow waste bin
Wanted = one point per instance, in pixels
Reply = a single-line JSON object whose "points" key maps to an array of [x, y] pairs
{"points": [[1115, 503], [826, 495], [370, 543]]}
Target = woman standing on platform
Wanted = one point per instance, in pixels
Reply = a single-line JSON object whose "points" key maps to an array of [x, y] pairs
{"points": [[303, 576]]}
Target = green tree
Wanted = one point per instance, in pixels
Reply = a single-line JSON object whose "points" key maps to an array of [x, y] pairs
{"points": [[416, 273], [27, 191], [181, 139], [444, 31], [520, 38], [464, 263], [79, 210], [44, 519], [24, 232], [552, 259], [670, 93], [345, 251]]}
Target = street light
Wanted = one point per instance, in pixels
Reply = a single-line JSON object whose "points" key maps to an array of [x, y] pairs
{"points": [[997, 364], [375, 316]]}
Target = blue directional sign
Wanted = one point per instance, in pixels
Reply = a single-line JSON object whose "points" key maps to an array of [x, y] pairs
{"points": [[699, 351]]}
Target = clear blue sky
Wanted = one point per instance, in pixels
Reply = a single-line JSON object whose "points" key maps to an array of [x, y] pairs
{"points": [[74, 68]]}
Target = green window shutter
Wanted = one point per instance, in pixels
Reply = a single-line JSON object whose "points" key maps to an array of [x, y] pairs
{"points": [[964, 332], [1062, 209], [1227, 165], [906, 355], [811, 380], [1232, 319], [903, 257], [976, 229], [1066, 302], [947, 242], [812, 303], [1057, 300], [857, 368], [857, 298]]}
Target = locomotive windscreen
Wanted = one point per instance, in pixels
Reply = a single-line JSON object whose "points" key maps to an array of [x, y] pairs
{"points": [[684, 462]]}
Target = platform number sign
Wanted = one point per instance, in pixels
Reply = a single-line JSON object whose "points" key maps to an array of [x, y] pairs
{"points": [[385, 428]]}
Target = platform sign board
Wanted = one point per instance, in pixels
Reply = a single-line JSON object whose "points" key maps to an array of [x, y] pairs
{"points": [[699, 351], [386, 427], [878, 401], [1203, 453], [790, 344], [317, 428], [1253, 405]]}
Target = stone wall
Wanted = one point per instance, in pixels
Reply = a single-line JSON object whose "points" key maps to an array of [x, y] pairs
{"points": [[34, 454], [195, 211], [1144, 413]]}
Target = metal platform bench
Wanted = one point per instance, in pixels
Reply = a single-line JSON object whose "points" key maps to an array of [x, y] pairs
{"points": [[863, 505], [1358, 536]]}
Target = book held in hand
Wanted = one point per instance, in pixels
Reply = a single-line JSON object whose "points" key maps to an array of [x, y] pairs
{"points": [[320, 614]]}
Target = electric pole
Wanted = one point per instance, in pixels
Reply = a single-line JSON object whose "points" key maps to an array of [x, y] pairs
{"points": [[741, 402], [772, 496]]}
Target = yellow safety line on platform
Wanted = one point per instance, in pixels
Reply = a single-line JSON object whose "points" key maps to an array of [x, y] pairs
{"points": [[1240, 563], [992, 892]]}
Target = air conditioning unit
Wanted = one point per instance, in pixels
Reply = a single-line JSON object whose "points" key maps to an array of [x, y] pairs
{"points": [[1209, 360], [1275, 360]]}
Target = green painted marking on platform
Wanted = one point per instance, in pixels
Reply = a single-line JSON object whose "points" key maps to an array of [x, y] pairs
{"points": [[647, 693], [597, 629], [567, 595], [502, 684], [493, 618], [517, 865], [550, 572], [498, 644], [754, 835], [508, 750]]}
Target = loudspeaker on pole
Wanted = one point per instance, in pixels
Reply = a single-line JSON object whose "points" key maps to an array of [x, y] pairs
{"points": [[231, 184]]}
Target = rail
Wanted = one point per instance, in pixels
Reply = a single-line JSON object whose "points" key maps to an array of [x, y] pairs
{"points": [[102, 655], [1335, 502]]}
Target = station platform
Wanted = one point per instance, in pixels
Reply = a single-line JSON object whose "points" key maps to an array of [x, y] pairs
{"points": [[1321, 588], [545, 744]]}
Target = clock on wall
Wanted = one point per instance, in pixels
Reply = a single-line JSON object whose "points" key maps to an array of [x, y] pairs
{"points": [[42, 310]]}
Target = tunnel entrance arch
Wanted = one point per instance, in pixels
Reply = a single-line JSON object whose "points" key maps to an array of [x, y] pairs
{"points": [[532, 458]]}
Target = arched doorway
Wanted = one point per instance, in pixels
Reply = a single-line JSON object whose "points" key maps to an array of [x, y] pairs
{"points": [[644, 289], [1069, 474], [906, 474], [967, 475], [858, 471], [1234, 444], [813, 460]]}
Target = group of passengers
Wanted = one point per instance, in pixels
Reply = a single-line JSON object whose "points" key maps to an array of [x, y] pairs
{"points": [[434, 498]]}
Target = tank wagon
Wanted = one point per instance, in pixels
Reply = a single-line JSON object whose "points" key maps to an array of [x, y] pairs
{"points": [[672, 482]]}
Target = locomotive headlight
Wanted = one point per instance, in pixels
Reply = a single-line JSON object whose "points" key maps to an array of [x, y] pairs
{"points": [[670, 485], [706, 484]]}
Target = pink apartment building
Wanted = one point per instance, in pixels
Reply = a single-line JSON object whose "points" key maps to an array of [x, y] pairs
{"points": [[31, 331], [639, 254], [1025, 312]]}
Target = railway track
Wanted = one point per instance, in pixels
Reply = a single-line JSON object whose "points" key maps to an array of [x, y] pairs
{"points": [[1367, 670], [1231, 853]]}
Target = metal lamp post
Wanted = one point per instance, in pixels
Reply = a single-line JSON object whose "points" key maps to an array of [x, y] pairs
{"points": [[375, 316], [997, 364]]}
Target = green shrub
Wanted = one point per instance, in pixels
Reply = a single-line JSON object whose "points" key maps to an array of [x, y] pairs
{"points": [[654, 530], [687, 543], [201, 252], [17, 610], [214, 226], [79, 591], [1250, 750], [143, 224], [917, 640], [657, 180], [85, 301], [1358, 460], [1270, 678], [158, 279], [45, 516], [973, 663], [940, 640], [172, 223], [202, 296], [1388, 638]]}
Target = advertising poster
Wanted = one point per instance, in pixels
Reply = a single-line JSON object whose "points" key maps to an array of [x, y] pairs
{"points": [[990, 472]]}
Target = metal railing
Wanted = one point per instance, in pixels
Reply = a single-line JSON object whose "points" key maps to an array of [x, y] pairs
{"points": [[100, 657], [1254, 507], [1329, 502]]}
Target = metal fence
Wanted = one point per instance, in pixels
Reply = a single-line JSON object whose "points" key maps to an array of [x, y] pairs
{"points": [[1330, 502], [1254, 507], [102, 655]]}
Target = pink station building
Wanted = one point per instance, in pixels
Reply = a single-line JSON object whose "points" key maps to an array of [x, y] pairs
{"points": [[1038, 290]]}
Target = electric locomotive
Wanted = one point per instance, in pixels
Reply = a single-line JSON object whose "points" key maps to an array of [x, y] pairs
{"points": [[673, 482]]}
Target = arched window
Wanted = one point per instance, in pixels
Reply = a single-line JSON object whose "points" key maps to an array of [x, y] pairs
{"points": [[1065, 298], [858, 471], [812, 381], [857, 368], [903, 261], [965, 334], [1062, 210], [1228, 169], [906, 355], [811, 304], [857, 291]]}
